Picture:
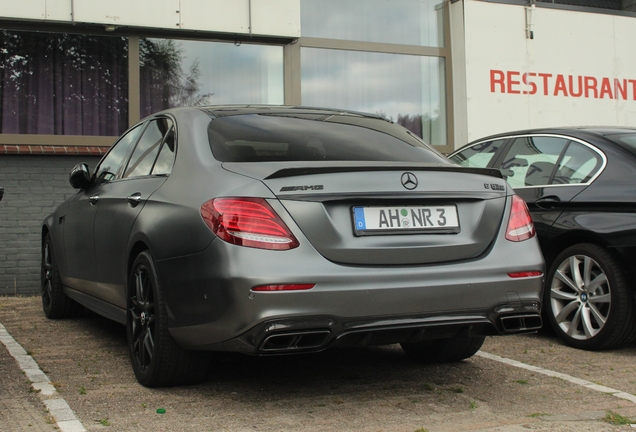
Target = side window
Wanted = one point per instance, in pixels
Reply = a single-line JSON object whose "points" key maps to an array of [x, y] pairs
{"points": [[579, 164], [111, 163], [143, 158], [479, 155], [530, 161], [165, 160]]}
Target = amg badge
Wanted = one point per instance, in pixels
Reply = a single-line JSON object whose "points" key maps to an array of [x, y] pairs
{"points": [[301, 188]]}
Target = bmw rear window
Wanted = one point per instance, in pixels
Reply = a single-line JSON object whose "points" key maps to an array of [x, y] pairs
{"points": [[627, 141], [297, 137]]}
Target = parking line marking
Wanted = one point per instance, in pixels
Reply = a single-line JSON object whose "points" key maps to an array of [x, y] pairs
{"points": [[574, 380], [65, 418]]}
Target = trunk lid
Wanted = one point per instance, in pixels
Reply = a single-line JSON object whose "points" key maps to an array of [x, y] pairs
{"points": [[375, 213]]}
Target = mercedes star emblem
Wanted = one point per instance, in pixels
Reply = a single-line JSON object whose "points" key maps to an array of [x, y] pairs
{"points": [[409, 181]]}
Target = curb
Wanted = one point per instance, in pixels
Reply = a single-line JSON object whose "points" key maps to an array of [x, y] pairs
{"points": [[65, 418]]}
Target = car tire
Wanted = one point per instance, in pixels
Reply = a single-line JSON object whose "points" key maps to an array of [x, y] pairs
{"points": [[443, 350], [54, 302], [588, 300], [157, 360]]}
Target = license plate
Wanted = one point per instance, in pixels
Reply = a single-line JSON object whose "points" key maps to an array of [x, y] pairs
{"points": [[385, 220]]}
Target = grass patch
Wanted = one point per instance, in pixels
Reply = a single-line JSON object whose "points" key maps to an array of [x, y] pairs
{"points": [[539, 414], [521, 381], [617, 419]]}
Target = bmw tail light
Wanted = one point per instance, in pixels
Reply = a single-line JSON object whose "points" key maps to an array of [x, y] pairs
{"points": [[248, 222], [520, 226]]}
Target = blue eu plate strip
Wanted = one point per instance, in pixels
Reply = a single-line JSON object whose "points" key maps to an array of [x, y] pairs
{"points": [[358, 213]]}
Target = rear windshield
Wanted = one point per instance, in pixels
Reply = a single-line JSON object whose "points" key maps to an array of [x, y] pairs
{"points": [[627, 141], [269, 137]]}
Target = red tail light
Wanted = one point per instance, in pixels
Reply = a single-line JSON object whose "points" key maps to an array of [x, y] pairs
{"points": [[520, 226], [525, 274], [291, 287], [248, 222]]}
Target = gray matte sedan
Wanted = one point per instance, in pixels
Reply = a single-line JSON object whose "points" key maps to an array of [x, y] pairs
{"points": [[276, 230]]}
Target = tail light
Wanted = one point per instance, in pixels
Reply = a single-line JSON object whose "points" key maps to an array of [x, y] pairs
{"points": [[290, 287], [248, 222], [520, 226], [525, 274]]}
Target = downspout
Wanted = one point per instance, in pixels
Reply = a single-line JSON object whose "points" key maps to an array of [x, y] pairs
{"points": [[530, 7], [249, 12]]}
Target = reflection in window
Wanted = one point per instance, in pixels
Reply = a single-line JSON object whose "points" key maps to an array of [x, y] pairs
{"points": [[407, 89], [479, 155], [531, 161], [193, 73], [578, 165], [63, 84], [408, 22], [111, 163], [165, 161], [147, 149]]}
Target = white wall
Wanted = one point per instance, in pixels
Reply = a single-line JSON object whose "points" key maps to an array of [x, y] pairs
{"points": [[597, 49], [268, 17]]}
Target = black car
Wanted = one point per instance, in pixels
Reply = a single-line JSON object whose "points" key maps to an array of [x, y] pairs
{"points": [[579, 183]]}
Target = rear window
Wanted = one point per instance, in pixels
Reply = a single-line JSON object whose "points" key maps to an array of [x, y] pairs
{"points": [[274, 137], [627, 141]]}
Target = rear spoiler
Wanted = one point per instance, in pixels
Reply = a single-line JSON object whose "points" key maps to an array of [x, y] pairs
{"points": [[292, 172]]}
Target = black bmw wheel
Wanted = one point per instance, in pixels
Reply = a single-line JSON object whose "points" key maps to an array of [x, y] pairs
{"points": [[443, 350], [588, 300], [156, 358], [54, 302]]}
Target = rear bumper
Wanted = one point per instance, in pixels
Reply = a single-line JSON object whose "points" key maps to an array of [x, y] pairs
{"points": [[312, 334], [211, 305]]}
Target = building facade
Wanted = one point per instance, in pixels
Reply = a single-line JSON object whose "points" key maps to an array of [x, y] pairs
{"points": [[75, 74]]}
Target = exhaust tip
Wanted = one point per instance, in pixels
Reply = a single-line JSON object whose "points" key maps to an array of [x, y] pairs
{"points": [[521, 323], [295, 341]]}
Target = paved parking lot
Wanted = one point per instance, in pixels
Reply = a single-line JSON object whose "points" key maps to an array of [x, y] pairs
{"points": [[376, 389]]}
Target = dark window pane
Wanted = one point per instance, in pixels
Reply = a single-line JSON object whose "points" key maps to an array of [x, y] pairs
{"points": [[63, 84], [111, 163], [143, 157], [298, 137]]}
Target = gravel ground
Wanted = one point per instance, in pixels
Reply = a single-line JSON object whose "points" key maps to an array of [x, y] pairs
{"points": [[375, 389]]}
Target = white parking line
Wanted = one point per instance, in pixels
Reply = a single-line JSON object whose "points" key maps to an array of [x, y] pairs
{"points": [[65, 418], [584, 383]]}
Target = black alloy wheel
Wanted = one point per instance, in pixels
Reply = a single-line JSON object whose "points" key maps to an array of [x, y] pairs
{"points": [[156, 358], [54, 302], [588, 300], [448, 350]]}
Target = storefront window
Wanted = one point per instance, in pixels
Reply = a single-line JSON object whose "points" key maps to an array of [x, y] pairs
{"points": [[191, 73], [407, 89], [63, 84], [408, 22]]}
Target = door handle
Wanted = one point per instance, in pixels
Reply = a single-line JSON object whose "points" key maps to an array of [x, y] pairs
{"points": [[548, 202], [93, 199], [134, 199]]}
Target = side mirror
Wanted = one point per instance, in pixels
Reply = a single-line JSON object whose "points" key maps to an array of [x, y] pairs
{"points": [[80, 177]]}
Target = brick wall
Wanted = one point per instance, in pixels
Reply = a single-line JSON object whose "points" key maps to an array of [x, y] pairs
{"points": [[34, 185]]}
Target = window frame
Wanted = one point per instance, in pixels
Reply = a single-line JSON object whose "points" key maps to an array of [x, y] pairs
{"points": [[292, 77]]}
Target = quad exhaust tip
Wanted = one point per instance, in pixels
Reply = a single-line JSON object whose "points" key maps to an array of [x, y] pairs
{"points": [[295, 341], [521, 323]]}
